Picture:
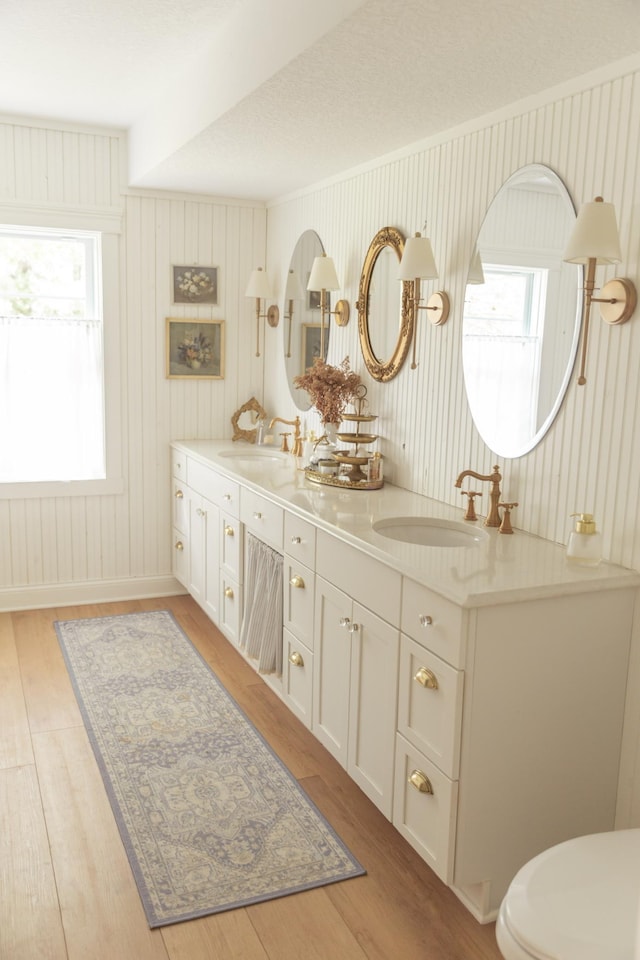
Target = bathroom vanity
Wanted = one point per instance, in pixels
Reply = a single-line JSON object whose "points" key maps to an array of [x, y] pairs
{"points": [[475, 692]]}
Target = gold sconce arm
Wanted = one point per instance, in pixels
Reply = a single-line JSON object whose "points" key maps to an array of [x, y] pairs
{"points": [[259, 288]]}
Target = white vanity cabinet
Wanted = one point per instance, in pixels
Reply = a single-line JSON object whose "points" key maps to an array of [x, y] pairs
{"points": [[179, 519], [356, 665], [482, 714], [298, 621]]}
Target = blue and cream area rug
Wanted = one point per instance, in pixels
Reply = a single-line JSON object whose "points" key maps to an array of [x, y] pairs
{"points": [[211, 819]]}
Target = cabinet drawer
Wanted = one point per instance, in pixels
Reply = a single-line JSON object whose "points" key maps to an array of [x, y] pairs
{"points": [[231, 546], [263, 518], [433, 622], [214, 486], [430, 705], [300, 540], [425, 817], [298, 600], [180, 557], [179, 465], [180, 505], [297, 677], [230, 608], [368, 581]]}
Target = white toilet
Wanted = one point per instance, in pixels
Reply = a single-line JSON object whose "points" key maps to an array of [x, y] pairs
{"points": [[579, 900]]}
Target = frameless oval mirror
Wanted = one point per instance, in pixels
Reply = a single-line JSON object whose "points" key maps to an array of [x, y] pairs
{"points": [[385, 321], [522, 311], [302, 331]]}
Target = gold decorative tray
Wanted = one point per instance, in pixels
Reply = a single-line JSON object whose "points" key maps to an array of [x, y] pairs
{"points": [[343, 482]]}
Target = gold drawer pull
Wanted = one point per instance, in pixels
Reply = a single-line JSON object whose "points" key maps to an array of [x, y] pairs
{"points": [[179, 494], [427, 678], [425, 620], [229, 531], [229, 593], [296, 659], [297, 581], [179, 545], [421, 782]]}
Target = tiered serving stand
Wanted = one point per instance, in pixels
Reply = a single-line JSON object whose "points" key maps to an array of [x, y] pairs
{"points": [[357, 456]]}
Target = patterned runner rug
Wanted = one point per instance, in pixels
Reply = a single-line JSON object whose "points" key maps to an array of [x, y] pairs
{"points": [[211, 819]]}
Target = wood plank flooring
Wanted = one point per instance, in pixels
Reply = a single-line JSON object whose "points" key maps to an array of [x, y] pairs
{"points": [[66, 889]]}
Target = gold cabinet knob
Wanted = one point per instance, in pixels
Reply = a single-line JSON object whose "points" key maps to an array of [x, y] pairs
{"points": [[421, 782], [229, 592], [425, 620], [297, 581], [427, 678], [179, 494], [296, 659], [179, 545], [229, 531]]}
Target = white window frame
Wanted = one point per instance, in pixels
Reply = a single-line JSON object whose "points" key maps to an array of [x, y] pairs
{"points": [[109, 226]]}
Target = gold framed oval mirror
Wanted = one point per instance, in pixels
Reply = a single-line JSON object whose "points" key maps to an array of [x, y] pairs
{"points": [[385, 318]]}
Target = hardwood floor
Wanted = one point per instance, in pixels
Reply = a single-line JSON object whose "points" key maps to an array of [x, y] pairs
{"points": [[66, 889]]}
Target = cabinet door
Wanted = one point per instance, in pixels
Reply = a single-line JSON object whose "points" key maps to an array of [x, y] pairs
{"points": [[180, 557], [180, 506], [373, 705], [297, 676], [332, 650], [204, 554], [298, 589]]}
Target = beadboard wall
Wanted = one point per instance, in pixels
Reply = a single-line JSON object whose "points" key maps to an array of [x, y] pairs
{"points": [[56, 550], [590, 459]]}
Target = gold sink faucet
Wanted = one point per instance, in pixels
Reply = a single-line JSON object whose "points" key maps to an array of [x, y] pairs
{"points": [[296, 449], [493, 517]]}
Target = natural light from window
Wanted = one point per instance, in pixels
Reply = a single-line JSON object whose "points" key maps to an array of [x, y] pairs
{"points": [[51, 356]]}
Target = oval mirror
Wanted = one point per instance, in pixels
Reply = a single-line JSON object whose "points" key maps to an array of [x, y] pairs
{"points": [[302, 320], [385, 321], [522, 309]]}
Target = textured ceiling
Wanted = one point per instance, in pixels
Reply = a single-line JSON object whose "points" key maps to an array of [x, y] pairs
{"points": [[257, 98]]}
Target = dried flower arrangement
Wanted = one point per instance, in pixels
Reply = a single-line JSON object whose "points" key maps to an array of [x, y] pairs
{"points": [[330, 388]]}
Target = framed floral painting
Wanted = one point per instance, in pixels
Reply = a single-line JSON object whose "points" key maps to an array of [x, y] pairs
{"points": [[195, 284], [195, 349]]}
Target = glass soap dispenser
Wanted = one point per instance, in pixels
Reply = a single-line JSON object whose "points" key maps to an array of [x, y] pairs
{"points": [[585, 543]]}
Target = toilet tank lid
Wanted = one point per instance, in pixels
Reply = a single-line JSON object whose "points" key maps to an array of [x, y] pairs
{"points": [[579, 900]]}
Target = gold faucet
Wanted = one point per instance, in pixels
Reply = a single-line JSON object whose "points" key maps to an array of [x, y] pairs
{"points": [[493, 517], [296, 449]]}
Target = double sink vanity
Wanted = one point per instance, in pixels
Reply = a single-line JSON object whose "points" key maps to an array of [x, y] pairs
{"points": [[472, 684]]}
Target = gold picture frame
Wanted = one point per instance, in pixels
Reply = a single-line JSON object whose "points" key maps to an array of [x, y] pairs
{"points": [[194, 349]]}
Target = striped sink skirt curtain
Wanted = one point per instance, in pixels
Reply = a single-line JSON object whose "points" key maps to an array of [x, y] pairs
{"points": [[261, 634]]}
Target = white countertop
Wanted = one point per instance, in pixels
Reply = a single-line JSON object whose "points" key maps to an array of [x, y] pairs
{"points": [[502, 569]]}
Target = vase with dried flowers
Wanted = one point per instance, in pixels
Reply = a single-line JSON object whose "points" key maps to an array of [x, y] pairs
{"points": [[330, 388]]}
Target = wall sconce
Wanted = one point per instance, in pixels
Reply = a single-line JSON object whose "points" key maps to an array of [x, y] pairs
{"points": [[594, 241], [260, 288], [293, 291], [323, 277], [476, 273], [418, 264]]}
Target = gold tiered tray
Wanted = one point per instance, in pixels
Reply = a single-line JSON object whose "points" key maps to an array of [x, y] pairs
{"points": [[355, 478]]}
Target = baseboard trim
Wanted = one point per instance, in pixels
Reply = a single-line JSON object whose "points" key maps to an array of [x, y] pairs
{"points": [[88, 591]]}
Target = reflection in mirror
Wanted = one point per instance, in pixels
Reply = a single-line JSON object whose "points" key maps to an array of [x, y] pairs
{"points": [[521, 313], [302, 315], [385, 321]]}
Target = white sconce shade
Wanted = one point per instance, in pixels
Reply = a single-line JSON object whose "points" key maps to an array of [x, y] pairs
{"points": [[417, 260], [595, 235], [258, 285], [293, 290], [476, 273], [323, 274]]}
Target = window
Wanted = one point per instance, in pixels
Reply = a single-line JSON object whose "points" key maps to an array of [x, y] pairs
{"points": [[52, 403]]}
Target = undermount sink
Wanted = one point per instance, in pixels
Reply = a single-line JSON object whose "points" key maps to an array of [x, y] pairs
{"points": [[252, 455], [430, 531]]}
